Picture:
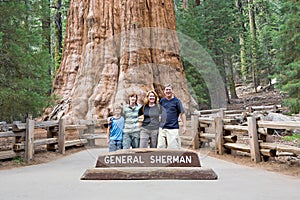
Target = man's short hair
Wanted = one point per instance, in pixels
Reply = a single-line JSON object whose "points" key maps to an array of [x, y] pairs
{"points": [[169, 85]]}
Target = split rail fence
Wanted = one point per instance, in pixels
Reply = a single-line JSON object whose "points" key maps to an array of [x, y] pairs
{"points": [[24, 144], [221, 127]]}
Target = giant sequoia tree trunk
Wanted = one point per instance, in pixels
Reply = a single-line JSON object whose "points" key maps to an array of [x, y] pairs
{"points": [[113, 48]]}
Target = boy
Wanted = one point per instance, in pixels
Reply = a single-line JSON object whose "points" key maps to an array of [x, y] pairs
{"points": [[115, 129]]}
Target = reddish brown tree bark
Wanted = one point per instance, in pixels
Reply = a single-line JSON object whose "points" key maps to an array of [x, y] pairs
{"points": [[113, 48]]}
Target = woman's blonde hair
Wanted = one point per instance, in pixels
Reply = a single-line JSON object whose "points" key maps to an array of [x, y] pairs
{"points": [[146, 99]]}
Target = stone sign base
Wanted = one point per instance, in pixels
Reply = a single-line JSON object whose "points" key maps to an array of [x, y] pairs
{"points": [[144, 164]]}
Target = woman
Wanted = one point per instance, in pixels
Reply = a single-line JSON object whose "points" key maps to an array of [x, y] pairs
{"points": [[150, 125], [131, 131]]}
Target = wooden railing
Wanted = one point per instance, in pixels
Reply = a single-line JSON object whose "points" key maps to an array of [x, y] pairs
{"points": [[221, 127], [24, 144]]}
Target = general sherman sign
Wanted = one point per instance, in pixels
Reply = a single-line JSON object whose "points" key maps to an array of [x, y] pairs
{"points": [[149, 158], [158, 159], [143, 164]]}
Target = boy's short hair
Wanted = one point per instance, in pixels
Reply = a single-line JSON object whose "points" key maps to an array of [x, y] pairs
{"points": [[117, 106]]}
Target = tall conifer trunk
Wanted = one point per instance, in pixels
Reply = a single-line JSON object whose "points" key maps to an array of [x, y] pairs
{"points": [[58, 38], [113, 48], [252, 25]]}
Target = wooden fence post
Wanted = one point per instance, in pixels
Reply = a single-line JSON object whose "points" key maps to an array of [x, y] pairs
{"points": [[253, 139], [29, 140], [61, 136], [219, 135], [195, 131], [221, 113]]}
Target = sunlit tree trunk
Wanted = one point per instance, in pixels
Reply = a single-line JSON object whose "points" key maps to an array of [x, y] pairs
{"points": [[110, 51]]}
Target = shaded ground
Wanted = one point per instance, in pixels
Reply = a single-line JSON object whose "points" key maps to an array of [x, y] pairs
{"points": [[277, 165], [247, 97], [40, 157]]}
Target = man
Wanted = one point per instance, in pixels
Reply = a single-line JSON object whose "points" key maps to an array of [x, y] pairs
{"points": [[172, 108]]}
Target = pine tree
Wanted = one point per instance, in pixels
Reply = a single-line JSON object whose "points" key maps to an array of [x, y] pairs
{"points": [[289, 53], [24, 81], [214, 25]]}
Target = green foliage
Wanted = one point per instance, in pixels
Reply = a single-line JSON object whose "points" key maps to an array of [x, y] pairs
{"points": [[293, 104], [288, 57], [18, 160], [199, 89], [294, 137], [267, 21], [25, 82], [213, 25]]}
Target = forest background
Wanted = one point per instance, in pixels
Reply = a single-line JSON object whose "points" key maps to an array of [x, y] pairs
{"points": [[254, 42]]}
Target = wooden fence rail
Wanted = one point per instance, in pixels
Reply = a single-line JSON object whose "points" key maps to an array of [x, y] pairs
{"points": [[24, 144], [224, 133], [218, 125]]}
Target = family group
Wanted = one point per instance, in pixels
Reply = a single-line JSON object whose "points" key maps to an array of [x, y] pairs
{"points": [[159, 128]]}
